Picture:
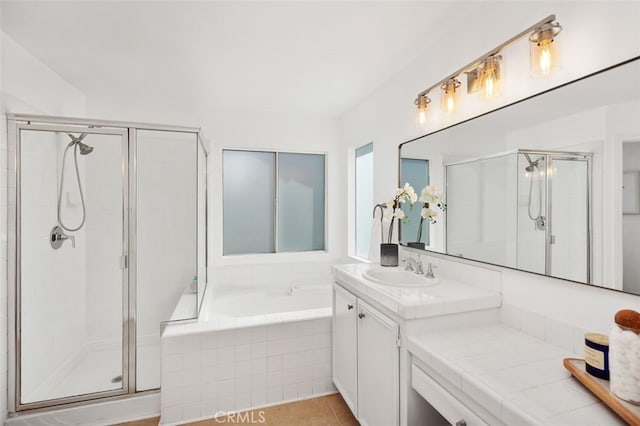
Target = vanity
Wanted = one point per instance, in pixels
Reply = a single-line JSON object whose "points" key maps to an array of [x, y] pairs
{"points": [[373, 323], [448, 353]]}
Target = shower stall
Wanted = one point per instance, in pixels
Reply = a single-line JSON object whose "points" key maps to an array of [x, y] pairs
{"points": [[107, 241], [525, 209]]}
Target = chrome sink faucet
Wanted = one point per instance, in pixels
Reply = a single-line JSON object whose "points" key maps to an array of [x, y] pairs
{"points": [[413, 265]]}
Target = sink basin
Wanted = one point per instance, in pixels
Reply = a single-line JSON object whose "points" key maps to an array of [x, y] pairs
{"points": [[397, 277]]}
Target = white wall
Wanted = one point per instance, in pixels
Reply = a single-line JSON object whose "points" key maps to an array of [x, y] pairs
{"points": [[26, 86], [595, 35], [251, 130]]}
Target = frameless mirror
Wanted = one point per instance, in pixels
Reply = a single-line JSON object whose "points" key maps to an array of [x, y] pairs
{"points": [[549, 184]]}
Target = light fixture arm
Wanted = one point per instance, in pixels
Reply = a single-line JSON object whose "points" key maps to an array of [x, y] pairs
{"points": [[494, 51]]}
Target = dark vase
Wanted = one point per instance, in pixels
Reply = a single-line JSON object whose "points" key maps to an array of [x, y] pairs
{"points": [[388, 254], [416, 245]]}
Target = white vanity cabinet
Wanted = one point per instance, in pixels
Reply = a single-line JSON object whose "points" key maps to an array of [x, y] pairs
{"points": [[366, 361], [345, 346]]}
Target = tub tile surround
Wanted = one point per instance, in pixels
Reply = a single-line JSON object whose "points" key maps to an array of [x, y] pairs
{"points": [[210, 373]]}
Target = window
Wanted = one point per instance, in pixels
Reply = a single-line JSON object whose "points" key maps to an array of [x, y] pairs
{"points": [[273, 202], [416, 172], [364, 199]]}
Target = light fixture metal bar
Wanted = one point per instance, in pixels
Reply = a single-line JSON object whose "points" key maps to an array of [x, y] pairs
{"points": [[493, 51]]}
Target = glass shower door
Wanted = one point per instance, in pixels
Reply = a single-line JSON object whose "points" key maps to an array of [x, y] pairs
{"points": [[71, 265], [569, 244]]}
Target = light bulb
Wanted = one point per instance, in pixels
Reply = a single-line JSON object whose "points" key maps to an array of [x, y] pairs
{"points": [[450, 94], [421, 102], [451, 103], [489, 86], [490, 80], [545, 58]]}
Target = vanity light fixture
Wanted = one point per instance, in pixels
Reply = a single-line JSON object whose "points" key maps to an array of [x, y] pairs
{"points": [[544, 49], [422, 102], [485, 73], [450, 94]]}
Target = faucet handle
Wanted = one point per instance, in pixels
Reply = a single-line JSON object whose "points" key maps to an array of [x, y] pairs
{"points": [[419, 269], [430, 268], [409, 263]]}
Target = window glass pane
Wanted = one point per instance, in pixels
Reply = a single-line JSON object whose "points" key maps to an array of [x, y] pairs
{"points": [[364, 199], [248, 202], [300, 202], [416, 172]]}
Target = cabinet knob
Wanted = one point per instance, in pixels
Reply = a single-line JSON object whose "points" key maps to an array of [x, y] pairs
{"points": [[349, 307], [461, 423], [361, 315]]}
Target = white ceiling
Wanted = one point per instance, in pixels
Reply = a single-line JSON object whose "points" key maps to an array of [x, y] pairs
{"points": [[317, 58]]}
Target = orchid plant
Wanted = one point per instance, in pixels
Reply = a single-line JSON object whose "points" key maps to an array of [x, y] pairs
{"points": [[394, 210], [430, 198]]}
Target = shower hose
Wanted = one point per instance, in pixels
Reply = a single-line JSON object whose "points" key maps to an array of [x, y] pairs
{"points": [[75, 162]]}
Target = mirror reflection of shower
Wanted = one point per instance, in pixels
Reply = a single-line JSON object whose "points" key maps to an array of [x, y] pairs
{"points": [[535, 174], [78, 145]]}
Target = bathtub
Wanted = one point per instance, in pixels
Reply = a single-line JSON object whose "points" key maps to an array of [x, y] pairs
{"points": [[243, 307], [251, 347]]}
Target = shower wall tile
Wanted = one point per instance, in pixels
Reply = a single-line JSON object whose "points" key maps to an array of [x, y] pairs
{"points": [[250, 367]]}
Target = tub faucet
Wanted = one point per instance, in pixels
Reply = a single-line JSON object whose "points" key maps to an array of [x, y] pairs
{"points": [[292, 289]]}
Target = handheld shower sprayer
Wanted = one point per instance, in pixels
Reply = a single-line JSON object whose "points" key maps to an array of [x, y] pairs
{"points": [[77, 144]]}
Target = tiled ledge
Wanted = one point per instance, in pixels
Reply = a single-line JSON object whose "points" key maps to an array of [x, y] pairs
{"points": [[516, 377]]}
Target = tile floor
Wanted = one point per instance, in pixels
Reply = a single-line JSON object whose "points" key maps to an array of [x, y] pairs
{"points": [[328, 410]]}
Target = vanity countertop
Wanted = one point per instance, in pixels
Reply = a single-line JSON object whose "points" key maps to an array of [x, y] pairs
{"points": [[445, 297], [518, 378]]}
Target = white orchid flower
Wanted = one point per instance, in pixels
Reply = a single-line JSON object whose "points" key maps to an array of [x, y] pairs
{"points": [[430, 194], [408, 193], [399, 214], [427, 213], [388, 212]]}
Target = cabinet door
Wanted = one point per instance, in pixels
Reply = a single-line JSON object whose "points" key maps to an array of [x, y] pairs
{"points": [[378, 368], [345, 342]]}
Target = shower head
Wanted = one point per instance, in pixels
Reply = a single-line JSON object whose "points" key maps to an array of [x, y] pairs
{"points": [[84, 148], [532, 164]]}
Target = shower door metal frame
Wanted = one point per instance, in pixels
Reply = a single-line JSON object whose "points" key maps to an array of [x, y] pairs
{"points": [[128, 130], [16, 376], [548, 155], [551, 156]]}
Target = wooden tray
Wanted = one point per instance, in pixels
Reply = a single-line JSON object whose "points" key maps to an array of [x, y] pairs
{"points": [[629, 412]]}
